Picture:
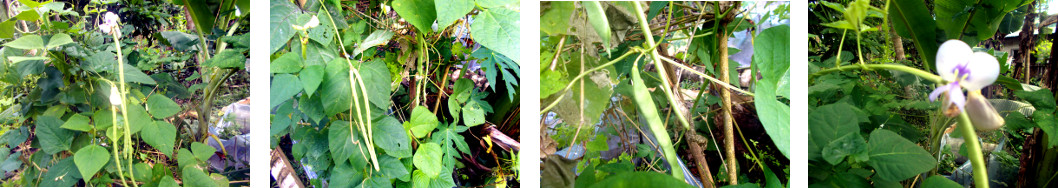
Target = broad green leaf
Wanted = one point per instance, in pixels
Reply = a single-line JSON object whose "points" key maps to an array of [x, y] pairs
{"points": [[335, 88], [141, 171], [62, 174], [7, 29], [281, 19], [28, 15], [178, 40], [162, 107], [1041, 99], [1049, 124], [99, 62], [497, 29], [422, 122], [391, 167], [221, 180], [58, 40], [972, 21], [912, 20], [448, 11], [52, 138], [829, 122], [850, 144], [311, 77], [324, 33], [377, 38], [18, 59], [167, 181], [135, 75], [138, 118], [345, 175], [473, 115], [552, 82], [895, 158], [161, 135], [202, 151], [426, 158], [284, 87], [341, 141], [556, 20], [230, 58], [27, 42], [389, 135], [597, 19], [90, 159], [102, 119], [771, 55], [194, 177], [419, 13], [77, 122], [640, 179], [376, 79], [202, 16], [287, 63], [939, 181]]}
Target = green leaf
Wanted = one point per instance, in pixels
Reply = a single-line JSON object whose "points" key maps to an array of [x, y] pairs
{"points": [[167, 181], [341, 141], [62, 174], [90, 159], [345, 175], [422, 122], [138, 117], [161, 135], [287, 63], [194, 177], [52, 138], [28, 15], [324, 33], [59, 40], [771, 54], [473, 115], [426, 158], [27, 42], [18, 59], [640, 179], [828, 123], [497, 29], [391, 167], [377, 38], [448, 11], [311, 77], [135, 75], [283, 13], [202, 151], [552, 82], [230, 58], [939, 181], [419, 13], [972, 21], [284, 87], [7, 29], [555, 21], [896, 158], [451, 143], [202, 16], [178, 40], [77, 122], [1041, 99], [389, 135], [598, 21], [912, 20], [376, 79], [335, 88], [162, 107], [850, 144]]}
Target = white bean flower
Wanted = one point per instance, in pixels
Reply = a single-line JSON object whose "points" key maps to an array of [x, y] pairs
{"points": [[963, 68], [110, 23], [314, 22], [115, 96]]}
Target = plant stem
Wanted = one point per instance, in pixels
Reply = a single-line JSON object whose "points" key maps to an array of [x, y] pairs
{"points": [[660, 67], [710, 78], [917, 72], [114, 148], [582, 74], [974, 147]]}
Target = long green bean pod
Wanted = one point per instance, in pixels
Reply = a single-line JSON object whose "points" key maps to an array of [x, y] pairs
{"points": [[124, 106], [649, 111]]}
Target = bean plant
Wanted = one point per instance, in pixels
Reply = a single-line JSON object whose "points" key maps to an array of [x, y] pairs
{"points": [[90, 100], [881, 119], [419, 93], [632, 90]]}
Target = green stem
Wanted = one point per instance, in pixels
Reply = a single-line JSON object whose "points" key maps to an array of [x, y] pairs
{"points": [[660, 67], [917, 72], [974, 147], [841, 44]]}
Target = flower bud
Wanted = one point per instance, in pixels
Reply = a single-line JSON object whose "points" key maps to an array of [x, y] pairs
{"points": [[982, 114], [115, 96]]}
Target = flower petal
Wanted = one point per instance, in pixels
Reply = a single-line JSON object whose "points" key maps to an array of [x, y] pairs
{"points": [[949, 55], [955, 96], [983, 71], [936, 92]]}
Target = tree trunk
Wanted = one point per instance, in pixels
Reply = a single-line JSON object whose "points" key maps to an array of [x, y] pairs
{"points": [[898, 44], [1027, 41]]}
